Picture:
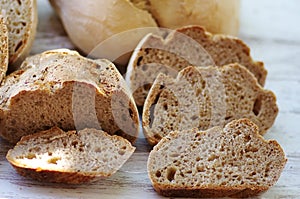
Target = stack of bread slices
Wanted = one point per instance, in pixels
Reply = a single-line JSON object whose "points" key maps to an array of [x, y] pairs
{"points": [[74, 119], [204, 111]]}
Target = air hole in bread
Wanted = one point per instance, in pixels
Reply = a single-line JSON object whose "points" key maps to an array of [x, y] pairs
{"points": [[158, 174], [74, 143], [19, 2], [165, 106], [257, 106], [171, 173], [247, 138], [200, 168], [138, 63], [30, 156], [54, 160], [212, 157], [251, 149]]}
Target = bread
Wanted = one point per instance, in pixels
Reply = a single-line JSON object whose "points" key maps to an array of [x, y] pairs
{"points": [[118, 25], [61, 88], [186, 46], [22, 23], [3, 48], [234, 161], [72, 157], [92, 22], [215, 16], [204, 97]]}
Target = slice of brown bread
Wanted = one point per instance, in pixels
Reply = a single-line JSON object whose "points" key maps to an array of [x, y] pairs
{"points": [[203, 97], [3, 48], [234, 161], [69, 157], [61, 88], [190, 45], [22, 21]]}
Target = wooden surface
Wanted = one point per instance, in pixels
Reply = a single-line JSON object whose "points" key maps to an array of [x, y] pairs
{"points": [[271, 28]]}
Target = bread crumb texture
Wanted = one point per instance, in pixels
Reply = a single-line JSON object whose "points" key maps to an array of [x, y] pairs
{"points": [[61, 88], [3, 48], [204, 97], [69, 157], [234, 161], [21, 16], [181, 48]]}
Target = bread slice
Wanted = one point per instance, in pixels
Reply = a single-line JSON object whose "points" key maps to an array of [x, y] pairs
{"points": [[183, 47], [3, 48], [22, 23], [204, 97], [61, 88], [234, 161], [69, 157]]}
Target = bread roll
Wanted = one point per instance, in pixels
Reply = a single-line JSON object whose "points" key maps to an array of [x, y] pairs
{"points": [[218, 16], [89, 23]]}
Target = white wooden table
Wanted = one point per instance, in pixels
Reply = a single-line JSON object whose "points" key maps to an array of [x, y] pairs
{"points": [[271, 28]]}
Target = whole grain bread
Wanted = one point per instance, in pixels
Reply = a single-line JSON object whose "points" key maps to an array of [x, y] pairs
{"points": [[61, 88], [204, 97], [69, 157], [183, 47], [21, 16], [234, 161], [3, 48]]}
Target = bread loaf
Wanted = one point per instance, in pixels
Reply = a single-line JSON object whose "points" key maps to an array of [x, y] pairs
{"points": [[69, 157], [216, 16], [3, 48], [61, 88], [120, 24], [234, 161], [204, 97], [21, 16], [186, 46]]}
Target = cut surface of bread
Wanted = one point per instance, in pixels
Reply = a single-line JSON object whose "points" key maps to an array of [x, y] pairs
{"points": [[69, 157], [234, 161], [61, 88], [203, 97], [183, 47], [21, 16], [3, 48]]}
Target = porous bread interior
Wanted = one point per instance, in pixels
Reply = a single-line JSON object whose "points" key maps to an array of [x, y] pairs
{"points": [[3, 48], [175, 52], [60, 88], [20, 16], [205, 97], [233, 157], [88, 151]]}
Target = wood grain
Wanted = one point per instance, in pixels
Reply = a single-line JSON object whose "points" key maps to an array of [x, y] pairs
{"points": [[269, 28]]}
